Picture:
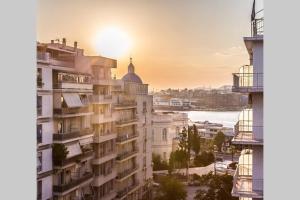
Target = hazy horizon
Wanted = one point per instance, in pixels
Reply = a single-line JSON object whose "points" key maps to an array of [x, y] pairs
{"points": [[175, 44]]}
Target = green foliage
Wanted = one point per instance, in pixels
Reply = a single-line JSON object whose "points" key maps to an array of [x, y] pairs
{"points": [[171, 189], [219, 140], [59, 152], [214, 187], [158, 163], [204, 159], [195, 140]]}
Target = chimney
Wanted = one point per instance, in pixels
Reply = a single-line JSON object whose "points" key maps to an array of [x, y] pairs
{"points": [[64, 42], [75, 45], [52, 41]]}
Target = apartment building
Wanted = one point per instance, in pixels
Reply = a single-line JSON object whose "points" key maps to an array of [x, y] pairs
{"points": [[132, 107], [44, 126], [165, 129], [248, 178]]}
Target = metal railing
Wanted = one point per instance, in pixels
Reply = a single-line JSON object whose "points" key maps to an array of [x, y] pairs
{"points": [[126, 190], [126, 121], [127, 172], [73, 134], [127, 154], [77, 158], [248, 81], [123, 138], [64, 111], [75, 181], [245, 185], [244, 132], [257, 27]]}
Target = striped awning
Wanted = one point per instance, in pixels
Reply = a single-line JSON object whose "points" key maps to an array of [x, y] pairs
{"points": [[74, 150], [72, 100]]}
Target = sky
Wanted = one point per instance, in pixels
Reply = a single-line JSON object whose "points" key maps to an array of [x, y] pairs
{"points": [[174, 43]]}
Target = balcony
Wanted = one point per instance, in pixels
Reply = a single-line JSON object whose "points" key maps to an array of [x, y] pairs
{"points": [[244, 185], [102, 118], [39, 111], [102, 81], [123, 156], [257, 27], [128, 104], [244, 134], [72, 112], [102, 99], [101, 179], [61, 63], [72, 135], [99, 159], [247, 82], [126, 122], [67, 161], [121, 194], [122, 139], [127, 173], [99, 138], [43, 57], [76, 181]]}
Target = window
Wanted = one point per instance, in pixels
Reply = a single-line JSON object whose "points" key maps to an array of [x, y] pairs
{"points": [[39, 190], [144, 107], [39, 133], [164, 135], [39, 78], [39, 161], [39, 105]]}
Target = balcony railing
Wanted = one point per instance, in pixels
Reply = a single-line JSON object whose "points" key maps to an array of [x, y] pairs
{"points": [[85, 154], [257, 27], [127, 190], [76, 181], [69, 111], [123, 138], [246, 186], [247, 82], [72, 135], [43, 56], [125, 104], [125, 155], [123, 122], [244, 133], [127, 172]]}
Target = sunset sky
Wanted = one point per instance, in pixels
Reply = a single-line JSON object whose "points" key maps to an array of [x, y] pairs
{"points": [[174, 43]]}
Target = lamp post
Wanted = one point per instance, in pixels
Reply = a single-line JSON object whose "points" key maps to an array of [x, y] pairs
{"points": [[215, 170]]}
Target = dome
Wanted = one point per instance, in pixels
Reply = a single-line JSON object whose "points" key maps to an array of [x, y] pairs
{"points": [[131, 76]]}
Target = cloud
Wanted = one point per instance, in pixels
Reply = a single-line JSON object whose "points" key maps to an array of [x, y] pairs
{"points": [[232, 51]]}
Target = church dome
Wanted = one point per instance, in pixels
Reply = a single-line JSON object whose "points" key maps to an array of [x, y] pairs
{"points": [[131, 76]]}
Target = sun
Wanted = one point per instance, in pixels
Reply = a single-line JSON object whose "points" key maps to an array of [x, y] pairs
{"points": [[112, 42]]}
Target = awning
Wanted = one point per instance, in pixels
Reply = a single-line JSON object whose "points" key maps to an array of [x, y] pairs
{"points": [[86, 141], [74, 150], [72, 100]]}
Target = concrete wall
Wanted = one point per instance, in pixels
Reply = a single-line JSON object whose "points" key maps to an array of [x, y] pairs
{"points": [[47, 188]]}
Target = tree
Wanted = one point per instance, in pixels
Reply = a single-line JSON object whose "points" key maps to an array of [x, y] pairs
{"points": [[158, 164], [219, 140], [204, 159], [215, 187], [59, 152], [195, 140], [184, 152], [171, 189]]}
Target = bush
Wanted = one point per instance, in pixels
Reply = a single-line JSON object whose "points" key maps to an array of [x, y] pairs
{"points": [[204, 159]]}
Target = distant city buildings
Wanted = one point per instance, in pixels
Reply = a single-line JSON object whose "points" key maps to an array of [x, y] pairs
{"points": [[165, 129], [93, 133], [199, 99]]}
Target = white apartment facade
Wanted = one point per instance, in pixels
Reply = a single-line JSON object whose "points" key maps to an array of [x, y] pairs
{"points": [[107, 134], [165, 130], [133, 112], [248, 179]]}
